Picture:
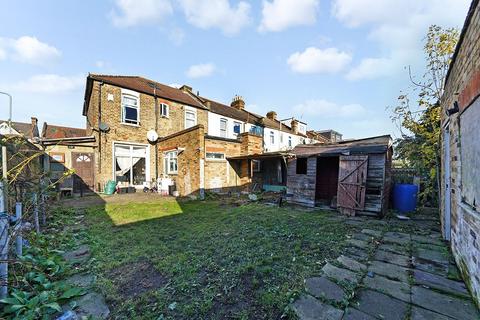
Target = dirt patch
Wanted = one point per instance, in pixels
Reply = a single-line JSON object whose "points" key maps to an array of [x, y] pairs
{"points": [[136, 278]]}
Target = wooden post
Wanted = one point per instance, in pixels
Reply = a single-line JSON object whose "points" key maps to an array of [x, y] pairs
{"points": [[4, 163], [18, 235], [4, 240], [35, 212]]}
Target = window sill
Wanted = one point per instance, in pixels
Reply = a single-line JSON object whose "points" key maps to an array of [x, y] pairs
{"points": [[215, 160], [130, 124]]}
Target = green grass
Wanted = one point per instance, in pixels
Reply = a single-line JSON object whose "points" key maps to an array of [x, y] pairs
{"points": [[218, 261]]}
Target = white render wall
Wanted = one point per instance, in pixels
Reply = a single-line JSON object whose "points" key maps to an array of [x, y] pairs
{"points": [[280, 140], [214, 125]]}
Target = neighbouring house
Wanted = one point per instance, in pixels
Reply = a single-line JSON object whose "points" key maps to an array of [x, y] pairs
{"points": [[460, 174], [330, 135], [353, 176], [67, 149], [25, 129], [146, 131], [315, 137]]}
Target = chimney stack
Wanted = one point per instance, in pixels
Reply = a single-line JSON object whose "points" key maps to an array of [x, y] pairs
{"points": [[238, 103], [34, 130], [272, 115], [294, 126]]}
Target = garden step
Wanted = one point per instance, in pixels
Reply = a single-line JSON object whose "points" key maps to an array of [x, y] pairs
{"points": [[381, 306], [396, 289], [340, 274], [321, 287], [309, 308]]}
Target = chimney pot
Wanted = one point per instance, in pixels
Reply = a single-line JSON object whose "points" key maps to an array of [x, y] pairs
{"points": [[238, 102], [294, 126]]}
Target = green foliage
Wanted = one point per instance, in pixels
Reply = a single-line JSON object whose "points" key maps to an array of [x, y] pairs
{"points": [[420, 126]]}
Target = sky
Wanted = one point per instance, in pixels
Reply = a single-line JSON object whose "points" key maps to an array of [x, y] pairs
{"points": [[337, 64]]}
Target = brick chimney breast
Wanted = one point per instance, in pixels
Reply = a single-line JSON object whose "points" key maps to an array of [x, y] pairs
{"points": [[238, 103], [294, 126], [272, 115]]}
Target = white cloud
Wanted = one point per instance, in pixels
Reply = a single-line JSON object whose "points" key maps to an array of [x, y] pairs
{"points": [[371, 68], [397, 27], [48, 83], [314, 60], [206, 14], [324, 108], [136, 12], [279, 15], [27, 49], [201, 70]]}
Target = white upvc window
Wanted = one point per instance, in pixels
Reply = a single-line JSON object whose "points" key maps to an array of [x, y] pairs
{"points": [[164, 110], [272, 137], [215, 156], [281, 137], [237, 128], [190, 117], [130, 109], [289, 141], [171, 162], [223, 127]]}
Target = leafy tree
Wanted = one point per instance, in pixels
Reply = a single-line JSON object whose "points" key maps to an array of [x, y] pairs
{"points": [[419, 122]]}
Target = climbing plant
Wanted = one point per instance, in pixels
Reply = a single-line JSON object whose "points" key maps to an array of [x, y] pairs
{"points": [[417, 113]]}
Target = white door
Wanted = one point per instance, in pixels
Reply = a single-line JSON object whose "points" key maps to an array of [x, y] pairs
{"points": [[447, 194]]}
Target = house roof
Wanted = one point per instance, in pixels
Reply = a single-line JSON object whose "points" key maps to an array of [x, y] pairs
{"points": [[379, 144], [142, 85], [50, 131], [468, 20], [25, 128], [312, 134], [231, 112]]}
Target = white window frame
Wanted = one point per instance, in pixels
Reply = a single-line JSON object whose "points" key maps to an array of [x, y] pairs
{"points": [[290, 141], [170, 157], [133, 95], [164, 110], [131, 145], [258, 167], [223, 132], [190, 110], [272, 138], [210, 158]]}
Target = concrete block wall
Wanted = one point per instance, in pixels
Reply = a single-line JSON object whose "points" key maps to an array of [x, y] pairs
{"points": [[463, 86]]}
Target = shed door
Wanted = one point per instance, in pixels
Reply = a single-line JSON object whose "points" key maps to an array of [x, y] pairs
{"points": [[352, 178], [83, 178]]}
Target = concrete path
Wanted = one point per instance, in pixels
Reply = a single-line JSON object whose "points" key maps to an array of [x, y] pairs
{"points": [[391, 269]]}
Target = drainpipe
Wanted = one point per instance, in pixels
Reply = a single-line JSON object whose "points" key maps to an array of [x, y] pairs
{"points": [[98, 125], [156, 130]]}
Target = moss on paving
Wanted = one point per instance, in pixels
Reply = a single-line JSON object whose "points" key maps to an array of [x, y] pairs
{"points": [[220, 261]]}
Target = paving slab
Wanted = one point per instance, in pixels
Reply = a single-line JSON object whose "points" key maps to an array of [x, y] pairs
{"points": [[432, 255], [356, 253], [321, 287], [354, 314], [396, 289], [358, 243], [427, 239], [397, 237], [309, 308], [430, 266], [424, 314], [373, 233], [92, 305], [394, 248], [340, 274], [79, 255], [440, 283], [381, 306], [390, 270], [401, 260], [351, 263], [362, 236], [441, 303]]}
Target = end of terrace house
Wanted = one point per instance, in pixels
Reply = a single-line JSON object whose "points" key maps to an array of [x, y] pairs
{"points": [[145, 130]]}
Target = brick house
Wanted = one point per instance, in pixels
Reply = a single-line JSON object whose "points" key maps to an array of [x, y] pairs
{"points": [[145, 130], [460, 178], [25, 129]]}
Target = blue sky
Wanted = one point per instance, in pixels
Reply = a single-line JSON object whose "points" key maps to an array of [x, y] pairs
{"points": [[334, 64]]}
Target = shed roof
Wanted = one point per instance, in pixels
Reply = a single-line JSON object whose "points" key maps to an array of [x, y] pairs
{"points": [[379, 144], [51, 131], [266, 155]]}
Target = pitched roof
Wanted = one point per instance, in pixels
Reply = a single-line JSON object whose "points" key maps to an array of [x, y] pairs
{"points": [[377, 144], [142, 85], [24, 128], [59, 132], [231, 112]]}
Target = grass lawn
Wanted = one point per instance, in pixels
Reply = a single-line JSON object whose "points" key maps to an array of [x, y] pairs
{"points": [[207, 260]]}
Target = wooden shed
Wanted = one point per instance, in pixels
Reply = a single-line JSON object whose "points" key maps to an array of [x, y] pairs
{"points": [[352, 175]]}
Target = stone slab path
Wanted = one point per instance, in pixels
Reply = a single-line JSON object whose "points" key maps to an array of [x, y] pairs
{"points": [[391, 269]]}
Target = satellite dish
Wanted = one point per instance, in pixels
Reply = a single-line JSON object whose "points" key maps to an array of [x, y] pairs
{"points": [[152, 135], [103, 127]]}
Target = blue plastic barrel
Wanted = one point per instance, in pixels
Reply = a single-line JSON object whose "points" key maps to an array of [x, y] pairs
{"points": [[405, 197]]}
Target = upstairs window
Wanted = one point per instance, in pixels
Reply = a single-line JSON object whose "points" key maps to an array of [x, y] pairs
{"points": [[164, 110], [190, 117], [237, 127], [130, 109], [302, 165], [289, 141], [223, 128], [272, 137], [171, 162]]}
